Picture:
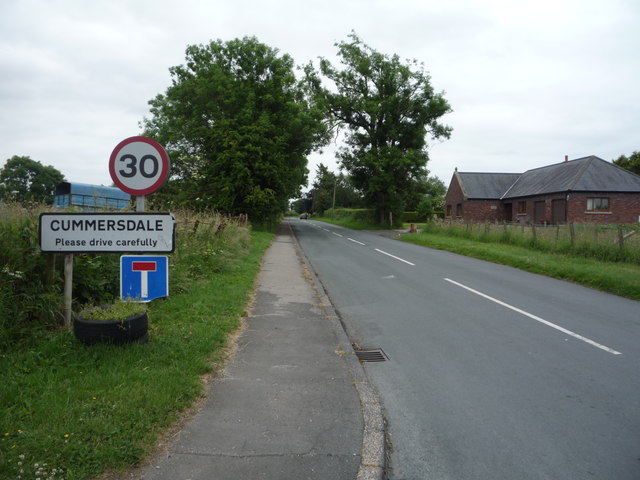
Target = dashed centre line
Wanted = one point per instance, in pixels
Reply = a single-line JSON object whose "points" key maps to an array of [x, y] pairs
{"points": [[537, 319], [364, 244], [397, 258]]}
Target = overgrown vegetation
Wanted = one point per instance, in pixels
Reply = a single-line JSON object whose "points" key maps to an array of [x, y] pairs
{"points": [[71, 411], [31, 283]]}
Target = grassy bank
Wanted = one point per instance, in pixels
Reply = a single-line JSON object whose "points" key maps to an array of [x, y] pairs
{"points": [[71, 411], [614, 277]]}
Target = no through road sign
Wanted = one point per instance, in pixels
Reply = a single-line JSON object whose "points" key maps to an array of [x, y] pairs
{"points": [[144, 278]]}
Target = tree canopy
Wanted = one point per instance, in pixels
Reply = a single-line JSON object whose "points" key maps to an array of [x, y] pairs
{"points": [[25, 180], [331, 189], [238, 127], [388, 108], [631, 163]]}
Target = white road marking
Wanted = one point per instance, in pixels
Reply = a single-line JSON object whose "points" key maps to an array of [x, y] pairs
{"points": [[538, 319], [397, 258], [355, 241], [336, 234]]}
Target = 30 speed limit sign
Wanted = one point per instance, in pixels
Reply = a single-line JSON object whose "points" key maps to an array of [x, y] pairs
{"points": [[139, 165]]}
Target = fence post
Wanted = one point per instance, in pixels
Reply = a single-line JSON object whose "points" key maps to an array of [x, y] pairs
{"points": [[533, 232], [620, 237], [572, 234]]}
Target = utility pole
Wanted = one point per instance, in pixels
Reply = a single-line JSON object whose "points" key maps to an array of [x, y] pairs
{"points": [[333, 207]]}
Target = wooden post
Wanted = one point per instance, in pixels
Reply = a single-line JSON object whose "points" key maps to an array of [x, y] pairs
{"points": [[572, 234], [68, 288], [620, 237]]}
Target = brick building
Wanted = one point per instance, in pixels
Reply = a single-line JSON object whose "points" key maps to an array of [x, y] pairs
{"points": [[585, 190]]}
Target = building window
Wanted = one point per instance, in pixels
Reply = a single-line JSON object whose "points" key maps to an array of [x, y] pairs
{"points": [[522, 208], [459, 210], [597, 204]]}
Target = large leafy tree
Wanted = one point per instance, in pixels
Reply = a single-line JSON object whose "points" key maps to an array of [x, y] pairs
{"points": [[631, 163], [238, 129], [388, 109], [25, 180]]}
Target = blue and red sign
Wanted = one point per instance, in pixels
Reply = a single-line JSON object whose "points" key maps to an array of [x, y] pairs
{"points": [[143, 277]]}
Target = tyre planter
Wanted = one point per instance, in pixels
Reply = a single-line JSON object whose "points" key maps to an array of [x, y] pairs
{"points": [[132, 329]]}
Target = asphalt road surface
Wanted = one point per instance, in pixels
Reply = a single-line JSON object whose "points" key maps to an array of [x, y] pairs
{"points": [[493, 373]]}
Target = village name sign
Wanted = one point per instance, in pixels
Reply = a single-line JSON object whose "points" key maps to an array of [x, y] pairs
{"points": [[107, 232]]}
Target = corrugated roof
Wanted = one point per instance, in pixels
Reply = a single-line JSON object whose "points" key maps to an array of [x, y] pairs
{"points": [[486, 185], [64, 188], [588, 174]]}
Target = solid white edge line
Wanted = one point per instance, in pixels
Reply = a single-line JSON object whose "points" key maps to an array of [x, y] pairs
{"points": [[538, 319], [397, 258], [355, 241]]}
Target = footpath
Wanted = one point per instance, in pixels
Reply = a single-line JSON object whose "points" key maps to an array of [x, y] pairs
{"points": [[293, 403]]}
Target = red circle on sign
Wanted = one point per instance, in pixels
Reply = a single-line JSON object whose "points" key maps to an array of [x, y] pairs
{"points": [[133, 179]]}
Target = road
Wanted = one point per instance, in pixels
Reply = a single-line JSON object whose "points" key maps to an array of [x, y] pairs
{"points": [[493, 373]]}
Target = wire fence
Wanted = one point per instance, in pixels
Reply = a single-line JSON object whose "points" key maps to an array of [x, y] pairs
{"points": [[609, 242]]}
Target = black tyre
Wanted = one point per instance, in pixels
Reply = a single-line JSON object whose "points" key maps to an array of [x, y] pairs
{"points": [[132, 329]]}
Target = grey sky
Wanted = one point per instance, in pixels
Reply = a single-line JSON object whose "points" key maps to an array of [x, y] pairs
{"points": [[529, 81]]}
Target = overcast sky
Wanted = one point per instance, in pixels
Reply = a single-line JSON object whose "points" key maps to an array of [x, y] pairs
{"points": [[529, 81]]}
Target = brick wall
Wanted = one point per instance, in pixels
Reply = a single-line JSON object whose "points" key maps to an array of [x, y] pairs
{"points": [[484, 211], [453, 198], [623, 208]]}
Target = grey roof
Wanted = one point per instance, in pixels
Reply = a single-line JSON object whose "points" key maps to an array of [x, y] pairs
{"points": [[486, 185], [588, 174]]}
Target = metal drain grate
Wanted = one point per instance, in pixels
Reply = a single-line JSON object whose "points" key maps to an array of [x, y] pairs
{"points": [[372, 355]]}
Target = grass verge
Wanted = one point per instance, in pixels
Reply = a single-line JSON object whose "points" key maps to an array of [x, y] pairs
{"points": [[614, 277], [70, 411]]}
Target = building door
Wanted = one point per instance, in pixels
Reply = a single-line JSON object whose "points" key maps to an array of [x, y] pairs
{"points": [[559, 211], [539, 211], [508, 212]]}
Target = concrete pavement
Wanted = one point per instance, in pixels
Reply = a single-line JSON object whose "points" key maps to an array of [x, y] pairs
{"points": [[294, 402]]}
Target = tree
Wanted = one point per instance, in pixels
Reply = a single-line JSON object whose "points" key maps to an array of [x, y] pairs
{"points": [[331, 189], [388, 108], [424, 186], [631, 163], [25, 180], [238, 128], [323, 188], [432, 198]]}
